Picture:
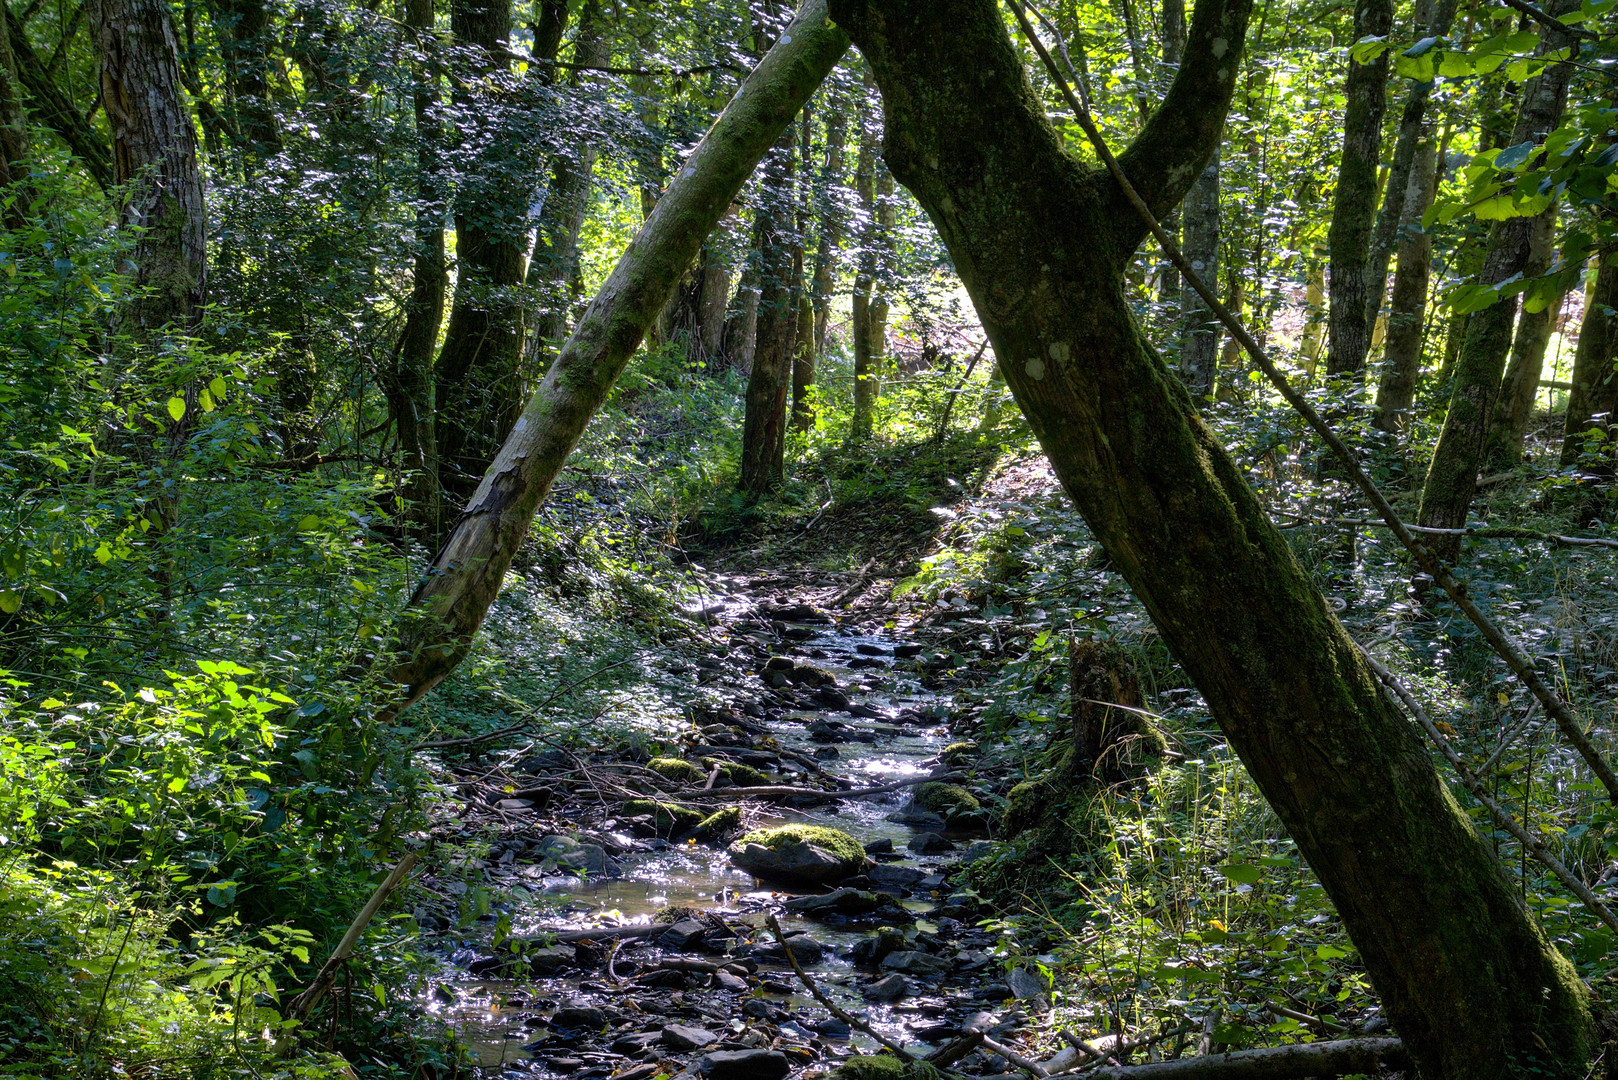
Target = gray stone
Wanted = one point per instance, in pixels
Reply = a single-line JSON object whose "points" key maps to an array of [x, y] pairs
{"points": [[638, 1043], [838, 901], [682, 1037], [583, 1016], [883, 846], [911, 962], [682, 934], [546, 962], [806, 949], [514, 805], [930, 843], [733, 984], [889, 988], [744, 1065], [915, 815], [1026, 986], [979, 850], [895, 876]]}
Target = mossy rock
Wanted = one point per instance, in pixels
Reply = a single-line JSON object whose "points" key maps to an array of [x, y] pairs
{"points": [[737, 773], [810, 676], [719, 824], [882, 1067], [810, 854], [950, 800], [670, 818], [670, 768], [1023, 808], [958, 753]]}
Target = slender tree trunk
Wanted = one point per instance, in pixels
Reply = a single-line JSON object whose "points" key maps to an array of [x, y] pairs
{"points": [[555, 260], [155, 153], [741, 320], [245, 34], [1314, 324], [831, 215], [1199, 330], [1452, 477], [1173, 32], [1594, 397], [1396, 391], [453, 598], [715, 294], [1433, 19], [1348, 332], [1514, 408], [409, 382], [480, 379], [13, 121], [55, 109], [764, 423], [864, 281], [803, 340], [1469, 982]]}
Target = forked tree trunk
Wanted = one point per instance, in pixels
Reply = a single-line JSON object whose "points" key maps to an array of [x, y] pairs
{"points": [[453, 598], [1594, 397], [1514, 408], [764, 424], [1402, 352], [155, 153], [1451, 483], [1041, 242], [1348, 332]]}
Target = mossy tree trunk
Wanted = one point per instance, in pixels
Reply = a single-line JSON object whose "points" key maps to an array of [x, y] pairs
{"points": [[1396, 390], [831, 217], [453, 597], [1042, 242], [864, 281], [1348, 332], [13, 120], [1451, 483], [1594, 397], [1514, 408], [777, 242]]}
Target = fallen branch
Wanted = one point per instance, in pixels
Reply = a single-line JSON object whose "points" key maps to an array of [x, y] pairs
{"points": [[608, 933], [951, 1052], [1568, 724], [301, 1006], [819, 995], [1280, 1062], [1488, 532], [1481, 794], [783, 791], [1027, 1065]]}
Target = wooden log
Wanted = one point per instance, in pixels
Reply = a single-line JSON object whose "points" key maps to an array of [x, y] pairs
{"points": [[1278, 1062]]}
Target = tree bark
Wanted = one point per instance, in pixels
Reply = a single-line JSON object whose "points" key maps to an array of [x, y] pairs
{"points": [[864, 414], [245, 35], [480, 376], [1041, 243], [453, 598], [832, 218], [1173, 31], [13, 120], [155, 154], [1514, 408], [1199, 330], [409, 381], [55, 109], [1348, 336], [1451, 481], [1433, 19], [1402, 352], [1594, 397], [741, 319], [775, 237]]}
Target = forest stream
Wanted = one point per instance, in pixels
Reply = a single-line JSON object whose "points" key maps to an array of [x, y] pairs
{"points": [[713, 990]]}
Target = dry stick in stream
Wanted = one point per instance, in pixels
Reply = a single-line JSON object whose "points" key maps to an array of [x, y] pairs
{"points": [[819, 995], [1497, 638], [782, 791], [302, 1005], [1269, 1063], [1481, 794]]}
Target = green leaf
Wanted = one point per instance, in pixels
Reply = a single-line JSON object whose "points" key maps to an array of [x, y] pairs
{"points": [[216, 387], [222, 893], [308, 523], [177, 409], [10, 602], [1241, 873], [1513, 156]]}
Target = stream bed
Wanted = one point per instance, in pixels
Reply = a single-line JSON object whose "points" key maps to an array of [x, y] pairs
{"points": [[683, 978]]}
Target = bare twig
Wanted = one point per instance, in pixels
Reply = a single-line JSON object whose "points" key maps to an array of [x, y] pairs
{"points": [[512, 729], [819, 995], [302, 1005], [1492, 532], [1277, 1062], [1572, 730], [778, 791], [1551, 22], [1027, 1065]]}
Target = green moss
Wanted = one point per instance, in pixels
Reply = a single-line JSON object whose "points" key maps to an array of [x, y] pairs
{"points": [[736, 773], [958, 753], [1022, 808], [674, 769], [947, 799], [883, 1067], [719, 824], [806, 675], [840, 844], [669, 817]]}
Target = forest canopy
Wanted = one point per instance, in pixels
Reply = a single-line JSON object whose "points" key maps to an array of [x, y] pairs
{"points": [[1099, 515]]}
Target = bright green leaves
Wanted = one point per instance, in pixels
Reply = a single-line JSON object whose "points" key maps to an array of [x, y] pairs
{"points": [[176, 408]]}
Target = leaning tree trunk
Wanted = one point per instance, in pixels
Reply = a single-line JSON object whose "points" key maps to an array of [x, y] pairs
{"points": [[1199, 330], [1451, 482], [775, 236], [479, 372], [453, 598], [409, 382], [155, 153], [1433, 19], [1042, 242], [55, 109], [1514, 408], [1348, 334], [13, 120], [1396, 390], [1594, 397]]}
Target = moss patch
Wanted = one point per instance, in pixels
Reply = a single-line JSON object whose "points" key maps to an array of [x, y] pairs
{"points": [[883, 1067], [674, 769], [949, 800], [736, 773], [670, 818], [719, 824], [958, 753], [837, 843]]}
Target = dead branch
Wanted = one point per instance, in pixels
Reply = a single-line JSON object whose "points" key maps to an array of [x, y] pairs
{"points": [[819, 995], [302, 1005], [1278, 1062], [782, 791]]}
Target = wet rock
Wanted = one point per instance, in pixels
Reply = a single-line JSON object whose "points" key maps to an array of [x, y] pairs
{"points": [[681, 1037], [779, 663], [577, 1016], [805, 948], [807, 675], [729, 983], [979, 850], [843, 904], [930, 843], [831, 698], [676, 769], [809, 854], [866, 649], [826, 753], [889, 988], [911, 962], [670, 819], [866, 712], [911, 814], [948, 800], [718, 825], [884, 846], [898, 877], [1026, 986], [565, 853], [868, 952], [543, 963], [638, 1043], [682, 934], [514, 805], [759, 1009], [744, 1065], [908, 650], [829, 731]]}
